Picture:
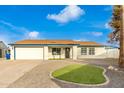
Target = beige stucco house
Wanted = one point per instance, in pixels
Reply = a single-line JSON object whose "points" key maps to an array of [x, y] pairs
{"points": [[60, 49]]}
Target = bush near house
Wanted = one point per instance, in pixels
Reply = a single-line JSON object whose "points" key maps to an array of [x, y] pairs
{"points": [[56, 58]]}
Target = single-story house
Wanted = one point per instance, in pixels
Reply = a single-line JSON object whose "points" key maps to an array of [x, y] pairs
{"points": [[59, 49], [3, 49]]}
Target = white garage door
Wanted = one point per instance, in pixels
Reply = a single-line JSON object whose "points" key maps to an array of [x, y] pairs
{"points": [[29, 53]]}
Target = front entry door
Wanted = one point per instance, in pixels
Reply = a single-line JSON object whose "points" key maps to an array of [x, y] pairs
{"points": [[67, 52]]}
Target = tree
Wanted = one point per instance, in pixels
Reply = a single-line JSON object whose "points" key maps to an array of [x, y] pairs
{"points": [[117, 35]]}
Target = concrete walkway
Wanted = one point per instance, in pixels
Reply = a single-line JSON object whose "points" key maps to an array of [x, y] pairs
{"points": [[10, 71]]}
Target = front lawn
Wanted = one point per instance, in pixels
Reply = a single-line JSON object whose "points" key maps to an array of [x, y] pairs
{"points": [[83, 74]]}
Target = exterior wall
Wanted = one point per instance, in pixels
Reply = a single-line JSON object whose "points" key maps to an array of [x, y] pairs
{"points": [[71, 54], [50, 56], [74, 52], [45, 53], [3, 47], [112, 53], [12, 52], [100, 52], [3, 52]]}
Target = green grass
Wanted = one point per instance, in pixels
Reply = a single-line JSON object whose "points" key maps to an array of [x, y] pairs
{"points": [[56, 58], [83, 74]]}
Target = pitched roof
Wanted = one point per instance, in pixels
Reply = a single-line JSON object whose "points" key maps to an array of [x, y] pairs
{"points": [[3, 45], [58, 42], [46, 42], [89, 43]]}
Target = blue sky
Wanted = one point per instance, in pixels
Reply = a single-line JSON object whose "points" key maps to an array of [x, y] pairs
{"points": [[85, 23]]}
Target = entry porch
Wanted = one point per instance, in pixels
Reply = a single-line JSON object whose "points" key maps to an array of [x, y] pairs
{"points": [[61, 52]]}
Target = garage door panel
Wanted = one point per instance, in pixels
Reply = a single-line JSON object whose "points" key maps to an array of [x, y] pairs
{"points": [[29, 53]]}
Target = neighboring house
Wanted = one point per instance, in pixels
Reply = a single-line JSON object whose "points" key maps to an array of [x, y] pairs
{"points": [[59, 49], [3, 49]]}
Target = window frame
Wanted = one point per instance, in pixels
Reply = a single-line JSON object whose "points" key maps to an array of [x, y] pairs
{"points": [[91, 50], [56, 51], [82, 51]]}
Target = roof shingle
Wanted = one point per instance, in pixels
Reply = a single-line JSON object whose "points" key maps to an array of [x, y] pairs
{"points": [[57, 42]]}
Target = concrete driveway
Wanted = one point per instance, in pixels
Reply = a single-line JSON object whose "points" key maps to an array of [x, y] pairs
{"points": [[39, 77], [13, 74], [10, 71]]}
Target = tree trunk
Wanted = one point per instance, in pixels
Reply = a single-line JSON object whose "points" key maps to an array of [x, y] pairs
{"points": [[121, 57]]}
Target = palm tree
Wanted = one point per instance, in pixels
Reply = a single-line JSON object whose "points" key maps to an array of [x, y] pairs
{"points": [[117, 23]]}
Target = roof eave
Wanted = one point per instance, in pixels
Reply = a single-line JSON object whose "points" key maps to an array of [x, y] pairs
{"points": [[43, 44], [93, 45]]}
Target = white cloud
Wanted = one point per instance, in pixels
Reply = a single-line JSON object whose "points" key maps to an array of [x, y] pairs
{"points": [[69, 13], [107, 26], [8, 24], [33, 34], [96, 33], [10, 33], [13, 27], [99, 25]]}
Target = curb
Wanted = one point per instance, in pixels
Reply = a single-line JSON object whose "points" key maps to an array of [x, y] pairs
{"points": [[105, 83]]}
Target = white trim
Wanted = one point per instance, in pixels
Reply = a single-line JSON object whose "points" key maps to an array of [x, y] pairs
{"points": [[45, 53]]}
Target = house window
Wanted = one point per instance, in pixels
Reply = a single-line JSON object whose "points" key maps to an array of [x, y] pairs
{"points": [[91, 51], [56, 51], [83, 51]]}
